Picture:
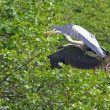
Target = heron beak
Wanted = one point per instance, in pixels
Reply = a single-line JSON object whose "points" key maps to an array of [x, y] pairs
{"points": [[52, 32]]}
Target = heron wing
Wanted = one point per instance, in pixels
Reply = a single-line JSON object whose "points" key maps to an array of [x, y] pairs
{"points": [[74, 56], [88, 39]]}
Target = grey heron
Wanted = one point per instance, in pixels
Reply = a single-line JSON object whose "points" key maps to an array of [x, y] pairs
{"points": [[71, 31]]}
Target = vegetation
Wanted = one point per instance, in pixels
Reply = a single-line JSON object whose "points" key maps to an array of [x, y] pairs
{"points": [[26, 79]]}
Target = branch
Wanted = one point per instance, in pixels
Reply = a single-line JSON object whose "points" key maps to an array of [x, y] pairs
{"points": [[5, 78]]}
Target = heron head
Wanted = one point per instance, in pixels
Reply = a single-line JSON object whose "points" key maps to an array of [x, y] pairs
{"points": [[66, 29]]}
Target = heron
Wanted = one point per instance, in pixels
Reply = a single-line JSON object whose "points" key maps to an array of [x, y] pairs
{"points": [[88, 40], [77, 52]]}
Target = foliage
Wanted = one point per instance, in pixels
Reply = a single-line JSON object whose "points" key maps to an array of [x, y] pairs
{"points": [[26, 80]]}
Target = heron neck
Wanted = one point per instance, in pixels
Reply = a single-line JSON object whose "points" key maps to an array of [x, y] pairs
{"points": [[74, 41]]}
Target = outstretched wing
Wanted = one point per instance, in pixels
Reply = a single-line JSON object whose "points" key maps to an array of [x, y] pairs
{"points": [[82, 34], [73, 56]]}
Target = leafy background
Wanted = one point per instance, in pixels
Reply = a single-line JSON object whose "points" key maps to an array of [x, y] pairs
{"points": [[26, 79]]}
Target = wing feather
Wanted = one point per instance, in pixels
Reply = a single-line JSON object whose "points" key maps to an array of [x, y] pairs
{"points": [[88, 39]]}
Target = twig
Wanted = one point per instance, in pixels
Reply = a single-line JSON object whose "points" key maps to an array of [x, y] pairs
{"points": [[4, 79]]}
